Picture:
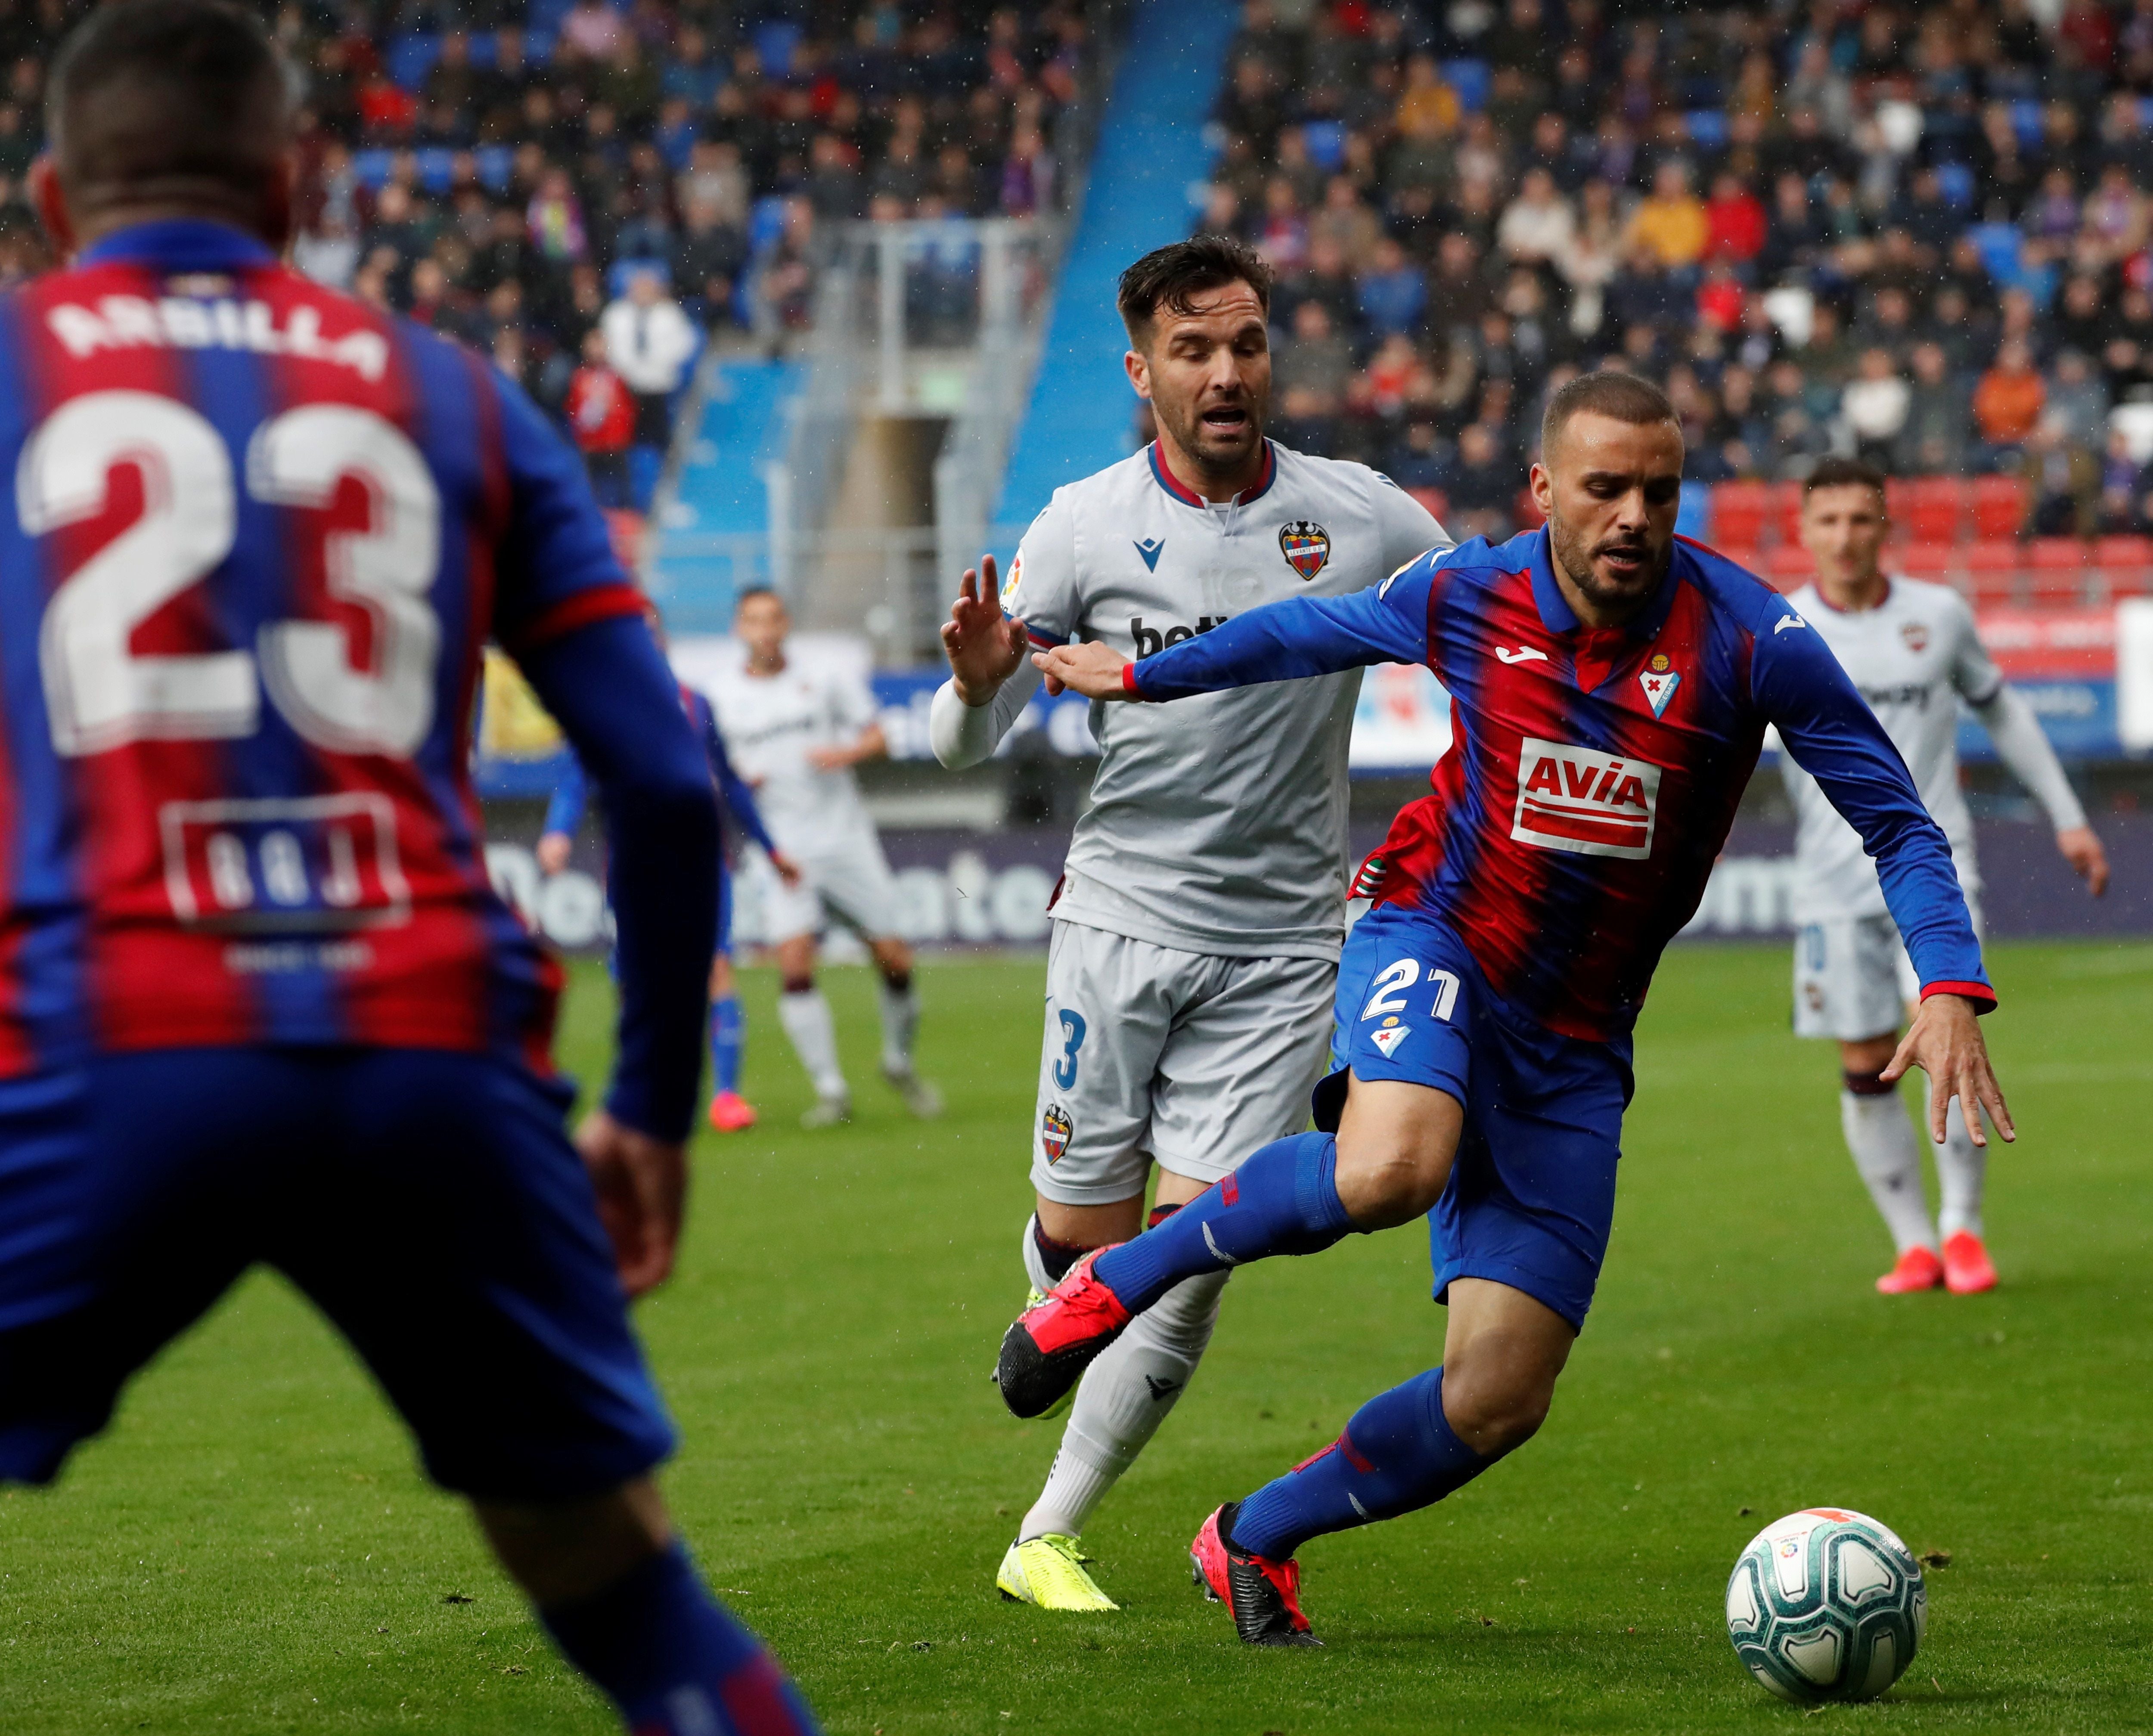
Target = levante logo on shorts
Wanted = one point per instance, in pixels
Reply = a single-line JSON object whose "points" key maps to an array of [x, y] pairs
{"points": [[1054, 1128], [1305, 545]]}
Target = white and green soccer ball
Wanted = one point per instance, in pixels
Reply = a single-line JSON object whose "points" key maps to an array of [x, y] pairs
{"points": [[1826, 1605]]}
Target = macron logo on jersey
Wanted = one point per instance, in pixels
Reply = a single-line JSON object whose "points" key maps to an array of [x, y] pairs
{"points": [[1585, 802]]}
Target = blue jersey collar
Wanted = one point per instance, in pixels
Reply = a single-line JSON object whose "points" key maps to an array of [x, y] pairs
{"points": [[179, 244], [1556, 614]]}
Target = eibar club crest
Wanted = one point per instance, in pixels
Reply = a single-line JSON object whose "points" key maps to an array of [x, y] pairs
{"points": [[1305, 545], [1659, 682]]}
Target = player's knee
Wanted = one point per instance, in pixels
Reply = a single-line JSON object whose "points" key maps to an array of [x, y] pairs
{"points": [[1491, 1408], [1389, 1177]]}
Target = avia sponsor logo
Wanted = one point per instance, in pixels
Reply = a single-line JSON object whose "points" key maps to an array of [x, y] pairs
{"points": [[1585, 802], [1151, 640]]}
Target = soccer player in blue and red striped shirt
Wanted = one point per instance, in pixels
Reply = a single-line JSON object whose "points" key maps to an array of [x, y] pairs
{"points": [[257, 999], [1611, 688]]}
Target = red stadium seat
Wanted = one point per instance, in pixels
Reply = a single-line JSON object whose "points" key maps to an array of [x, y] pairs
{"points": [[2125, 564], [1787, 511], [1434, 499], [1999, 507], [1739, 511], [1935, 509], [1992, 570], [2056, 570], [1789, 567], [1932, 560]]}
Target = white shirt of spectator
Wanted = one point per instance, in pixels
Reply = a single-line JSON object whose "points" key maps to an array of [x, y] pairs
{"points": [[1913, 656], [649, 347], [770, 723], [1217, 823]]}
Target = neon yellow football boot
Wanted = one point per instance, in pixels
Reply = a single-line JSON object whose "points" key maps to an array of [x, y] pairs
{"points": [[1049, 1571]]}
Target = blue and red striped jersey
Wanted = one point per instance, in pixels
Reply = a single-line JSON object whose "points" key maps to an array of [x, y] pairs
{"points": [[1594, 773], [262, 532]]}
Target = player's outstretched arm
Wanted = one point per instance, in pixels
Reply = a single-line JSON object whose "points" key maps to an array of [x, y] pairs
{"points": [[2024, 746], [1945, 1041], [984, 646], [990, 681], [1281, 641]]}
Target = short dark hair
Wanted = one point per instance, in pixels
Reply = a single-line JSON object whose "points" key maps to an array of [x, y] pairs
{"points": [[1607, 392], [1172, 274], [165, 100], [1837, 472]]}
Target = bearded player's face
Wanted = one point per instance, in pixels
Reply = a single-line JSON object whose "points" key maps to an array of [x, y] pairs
{"points": [[1207, 374], [1611, 490]]}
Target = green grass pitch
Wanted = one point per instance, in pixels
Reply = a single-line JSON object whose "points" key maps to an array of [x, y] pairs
{"points": [[250, 1549]]}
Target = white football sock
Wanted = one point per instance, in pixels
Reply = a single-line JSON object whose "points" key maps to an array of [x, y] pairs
{"points": [[806, 1016], [1885, 1151], [1962, 1172], [900, 1020], [1123, 1399]]}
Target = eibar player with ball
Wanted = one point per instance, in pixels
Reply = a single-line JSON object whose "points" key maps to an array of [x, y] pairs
{"points": [[1197, 926], [1611, 686], [1913, 651]]}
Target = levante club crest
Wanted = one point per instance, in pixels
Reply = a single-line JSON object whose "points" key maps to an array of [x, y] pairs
{"points": [[1305, 545]]}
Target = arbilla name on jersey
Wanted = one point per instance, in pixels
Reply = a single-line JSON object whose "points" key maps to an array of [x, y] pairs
{"points": [[1054, 1128], [1584, 801], [1149, 640]]}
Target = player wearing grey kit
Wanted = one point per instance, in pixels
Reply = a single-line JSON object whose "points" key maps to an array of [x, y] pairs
{"points": [[1197, 927], [1912, 650]]}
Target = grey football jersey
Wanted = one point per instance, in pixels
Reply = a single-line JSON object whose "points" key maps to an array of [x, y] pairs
{"points": [[1217, 823]]}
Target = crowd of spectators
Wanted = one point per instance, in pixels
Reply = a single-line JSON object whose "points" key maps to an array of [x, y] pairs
{"points": [[1915, 231], [584, 189]]}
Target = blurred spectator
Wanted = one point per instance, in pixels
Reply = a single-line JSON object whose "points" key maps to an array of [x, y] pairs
{"points": [[602, 415], [1316, 359], [1393, 294], [1933, 442], [1735, 223], [1875, 406], [2007, 404], [1479, 484], [1538, 225], [648, 341], [1670, 225]]}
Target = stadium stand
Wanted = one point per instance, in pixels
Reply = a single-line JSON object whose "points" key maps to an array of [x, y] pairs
{"points": [[500, 169], [1918, 233]]}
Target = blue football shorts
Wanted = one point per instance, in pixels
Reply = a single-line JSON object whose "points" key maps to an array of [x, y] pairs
{"points": [[1531, 1197], [428, 1203]]}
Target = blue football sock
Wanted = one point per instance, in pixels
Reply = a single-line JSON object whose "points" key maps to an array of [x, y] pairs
{"points": [[1283, 1200], [1396, 1455], [673, 1660], [728, 1037]]}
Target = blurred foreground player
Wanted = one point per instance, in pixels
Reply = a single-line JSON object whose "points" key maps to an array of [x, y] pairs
{"points": [[1611, 688], [1913, 651], [1196, 927], [729, 1112], [257, 1002], [796, 732]]}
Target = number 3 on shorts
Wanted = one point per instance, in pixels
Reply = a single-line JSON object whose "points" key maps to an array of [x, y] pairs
{"points": [[1072, 1031]]}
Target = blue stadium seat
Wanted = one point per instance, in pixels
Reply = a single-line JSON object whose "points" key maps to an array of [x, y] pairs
{"points": [[372, 167], [1956, 180], [495, 163], [765, 221], [1470, 79], [411, 56], [776, 41], [1707, 128], [1326, 141], [2026, 119]]}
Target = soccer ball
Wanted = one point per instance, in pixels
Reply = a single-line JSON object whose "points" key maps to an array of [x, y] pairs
{"points": [[1826, 1605]]}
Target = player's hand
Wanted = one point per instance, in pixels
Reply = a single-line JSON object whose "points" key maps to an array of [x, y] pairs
{"points": [[1087, 667], [984, 646], [641, 1186], [554, 852], [2082, 849], [1944, 1042], [788, 870], [829, 759]]}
